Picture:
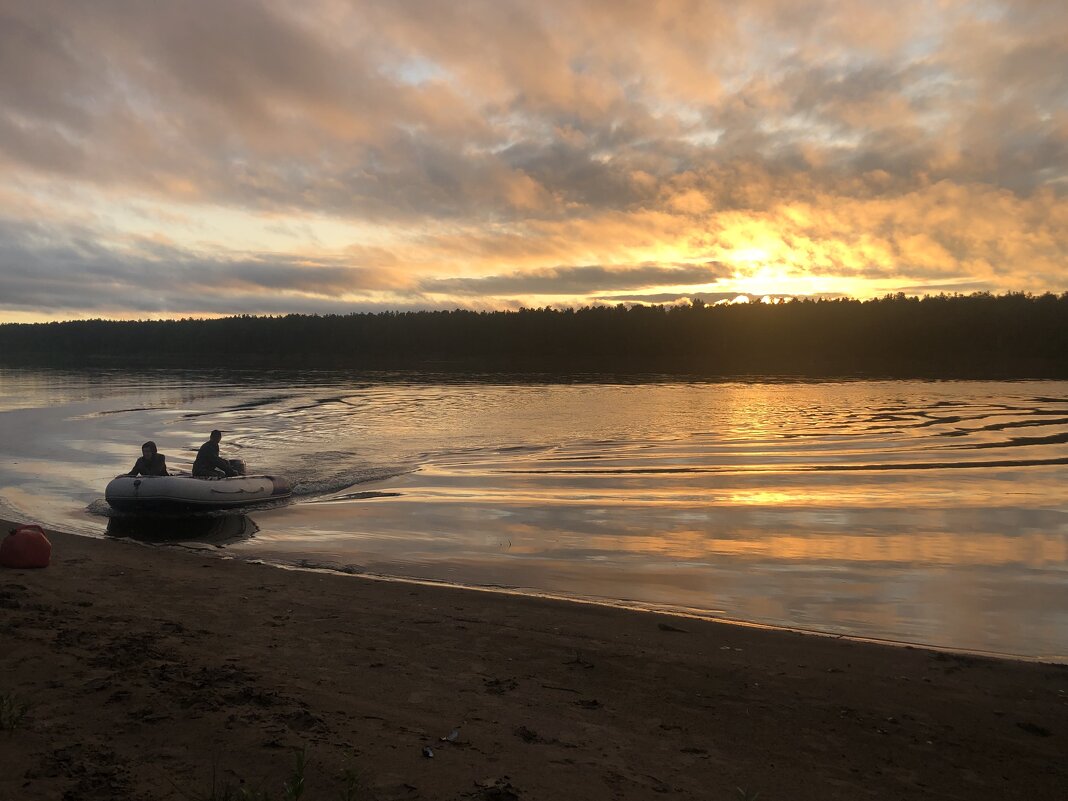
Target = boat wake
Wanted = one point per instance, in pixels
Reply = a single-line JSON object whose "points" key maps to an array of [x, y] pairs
{"points": [[318, 486]]}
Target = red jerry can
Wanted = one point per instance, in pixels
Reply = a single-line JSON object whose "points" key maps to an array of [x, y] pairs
{"points": [[26, 546]]}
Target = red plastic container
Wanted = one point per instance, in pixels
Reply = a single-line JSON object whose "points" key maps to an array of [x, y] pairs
{"points": [[26, 546]]}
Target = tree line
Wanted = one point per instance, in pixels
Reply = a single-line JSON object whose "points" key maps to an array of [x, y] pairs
{"points": [[978, 335]]}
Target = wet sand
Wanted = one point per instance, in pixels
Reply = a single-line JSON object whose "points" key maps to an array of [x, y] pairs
{"points": [[150, 670]]}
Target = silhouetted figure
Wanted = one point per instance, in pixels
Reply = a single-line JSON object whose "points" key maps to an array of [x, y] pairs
{"points": [[208, 463], [150, 463]]}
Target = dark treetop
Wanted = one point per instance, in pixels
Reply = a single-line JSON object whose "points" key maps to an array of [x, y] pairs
{"points": [[978, 335]]}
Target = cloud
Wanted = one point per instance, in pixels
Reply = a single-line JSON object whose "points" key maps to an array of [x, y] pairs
{"points": [[469, 149], [575, 281], [50, 270], [525, 103]]}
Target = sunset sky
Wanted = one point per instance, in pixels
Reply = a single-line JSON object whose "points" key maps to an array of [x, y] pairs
{"points": [[202, 158]]}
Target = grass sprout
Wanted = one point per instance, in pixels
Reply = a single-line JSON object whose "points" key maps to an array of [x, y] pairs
{"points": [[293, 789], [12, 712], [354, 785]]}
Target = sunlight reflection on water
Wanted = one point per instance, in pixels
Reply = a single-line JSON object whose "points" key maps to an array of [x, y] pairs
{"points": [[919, 511]]}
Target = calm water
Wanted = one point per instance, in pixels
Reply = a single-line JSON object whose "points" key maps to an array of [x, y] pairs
{"points": [[914, 511]]}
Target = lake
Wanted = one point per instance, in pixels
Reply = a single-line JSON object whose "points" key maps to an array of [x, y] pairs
{"points": [[912, 511]]}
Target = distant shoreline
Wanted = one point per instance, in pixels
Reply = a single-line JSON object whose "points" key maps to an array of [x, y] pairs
{"points": [[534, 373], [520, 372], [957, 337]]}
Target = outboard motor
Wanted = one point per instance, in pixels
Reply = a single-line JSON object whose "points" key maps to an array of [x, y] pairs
{"points": [[239, 466]]}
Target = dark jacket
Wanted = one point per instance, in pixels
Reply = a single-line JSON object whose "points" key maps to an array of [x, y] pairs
{"points": [[155, 465], [208, 461]]}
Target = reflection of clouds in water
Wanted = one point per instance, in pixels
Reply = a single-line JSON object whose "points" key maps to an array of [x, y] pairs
{"points": [[902, 537], [26, 503], [700, 495]]}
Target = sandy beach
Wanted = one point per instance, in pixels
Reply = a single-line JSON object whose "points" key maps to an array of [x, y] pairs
{"points": [[164, 673]]}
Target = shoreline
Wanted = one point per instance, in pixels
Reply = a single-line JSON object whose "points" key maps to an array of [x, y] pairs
{"points": [[222, 550], [629, 606], [147, 670]]}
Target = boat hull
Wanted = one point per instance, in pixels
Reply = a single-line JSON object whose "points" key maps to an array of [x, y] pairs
{"points": [[183, 492]]}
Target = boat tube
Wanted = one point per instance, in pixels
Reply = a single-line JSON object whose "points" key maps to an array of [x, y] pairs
{"points": [[182, 491]]}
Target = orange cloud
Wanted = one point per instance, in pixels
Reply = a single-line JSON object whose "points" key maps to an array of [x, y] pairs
{"points": [[370, 150]]}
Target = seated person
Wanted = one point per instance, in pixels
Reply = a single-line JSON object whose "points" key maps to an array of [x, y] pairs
{"points": [[151, 463], [208, 463]]}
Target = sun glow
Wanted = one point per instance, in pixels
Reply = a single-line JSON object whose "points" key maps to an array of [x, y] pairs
{"points": [[749, 255]]}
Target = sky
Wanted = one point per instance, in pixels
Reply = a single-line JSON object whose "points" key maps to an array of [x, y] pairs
{"points": [[215, 157]]}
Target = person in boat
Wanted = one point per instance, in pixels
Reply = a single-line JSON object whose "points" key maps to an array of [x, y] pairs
{"points": [[208, 463], [151, 462]]}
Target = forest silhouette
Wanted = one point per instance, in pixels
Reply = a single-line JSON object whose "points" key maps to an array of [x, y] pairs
{"points": [[955, 336]]}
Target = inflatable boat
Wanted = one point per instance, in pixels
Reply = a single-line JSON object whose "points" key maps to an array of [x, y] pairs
{"points": [[183, 492]]}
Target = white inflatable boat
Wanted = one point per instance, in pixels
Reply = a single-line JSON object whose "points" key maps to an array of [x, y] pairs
{"points": [[182, 491]]}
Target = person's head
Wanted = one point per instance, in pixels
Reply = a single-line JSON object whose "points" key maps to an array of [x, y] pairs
{"points": [[148, 450], [216, 435]]}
